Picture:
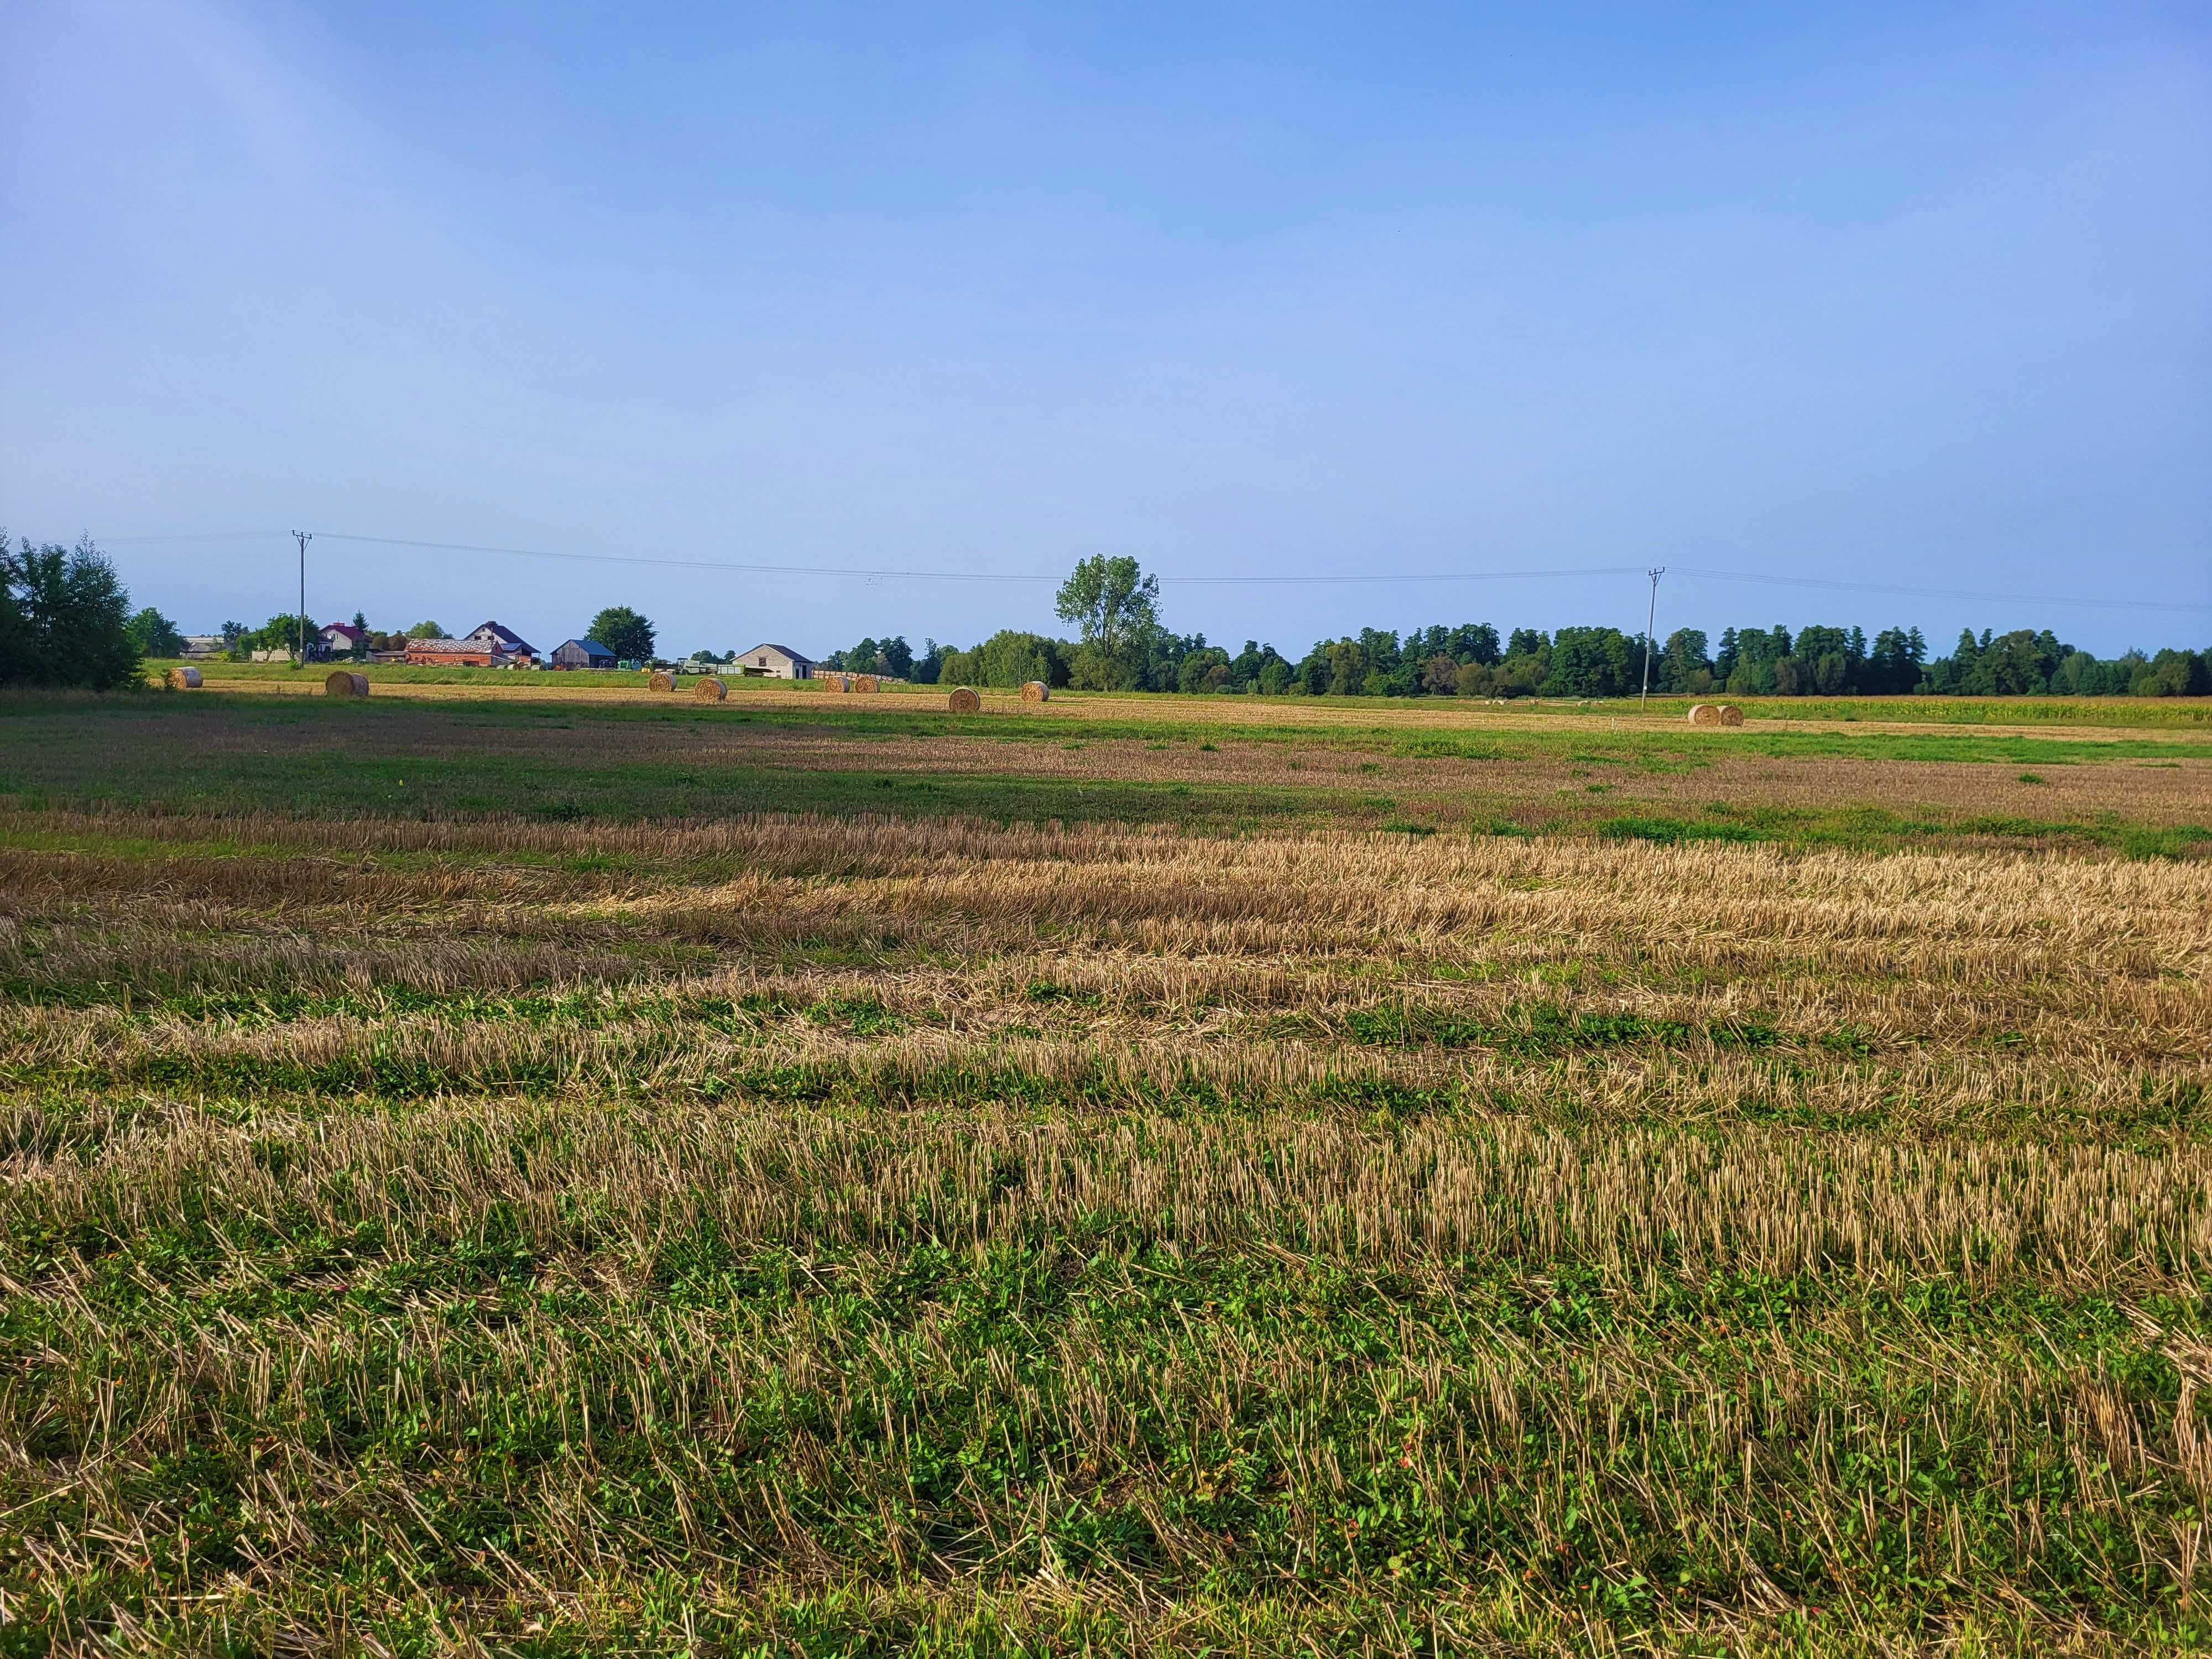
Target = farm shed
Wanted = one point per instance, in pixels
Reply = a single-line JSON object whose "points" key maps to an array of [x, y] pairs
{"points": [[583, 654], [774, 662], [491, 645]]}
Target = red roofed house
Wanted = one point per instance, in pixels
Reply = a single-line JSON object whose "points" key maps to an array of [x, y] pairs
{"points": [[342, 638]]}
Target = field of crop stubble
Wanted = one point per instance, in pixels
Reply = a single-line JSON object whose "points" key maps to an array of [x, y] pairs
{"points": [[554, 1174]]}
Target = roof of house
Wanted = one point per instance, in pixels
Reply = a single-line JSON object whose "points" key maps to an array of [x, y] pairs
{"points": [[442, 645], [356, 635], [506, 636], [796, 656], [592, 646]]}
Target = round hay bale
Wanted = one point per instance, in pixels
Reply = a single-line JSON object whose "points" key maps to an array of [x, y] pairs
{"points": [[1704, 714], [865, 682], [964, 701], [1036, 691], [710, 690], [838, 683], [1730, 715], [343, 682], [662, 680], [183, 679]]}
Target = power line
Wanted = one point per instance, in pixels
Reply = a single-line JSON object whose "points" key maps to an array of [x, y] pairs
{"points": [[209, 536], [967, 575], [697, 564], [1360, 579]]}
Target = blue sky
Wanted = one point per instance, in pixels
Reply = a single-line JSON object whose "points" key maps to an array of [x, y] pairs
{"points": [[1917, 294]]}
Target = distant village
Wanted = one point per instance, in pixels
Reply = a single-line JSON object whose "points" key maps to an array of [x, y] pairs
{"points": [[492, 645]]}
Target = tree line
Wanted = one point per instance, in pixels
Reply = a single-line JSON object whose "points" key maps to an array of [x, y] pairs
{"points": [[65, 620], [1122, 645]]}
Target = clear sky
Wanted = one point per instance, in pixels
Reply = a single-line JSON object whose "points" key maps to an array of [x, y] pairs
{"points": [[1916, 294]]}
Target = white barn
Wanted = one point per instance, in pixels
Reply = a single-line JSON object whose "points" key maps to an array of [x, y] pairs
{"points": [[774, 662]]}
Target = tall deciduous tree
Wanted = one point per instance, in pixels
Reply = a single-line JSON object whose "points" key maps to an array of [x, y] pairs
{"points": [[624, 632], [157, 637], [1116, 607], [64, 619]]}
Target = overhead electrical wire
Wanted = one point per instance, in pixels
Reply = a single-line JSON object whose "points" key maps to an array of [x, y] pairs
{"points": [[1367, 578]]}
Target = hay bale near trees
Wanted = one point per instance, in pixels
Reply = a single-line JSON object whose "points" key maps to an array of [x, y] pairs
{"points": [[864, 683], [1730, 715], [343, 682], [1704, 714], [183, 679], [662, 680], [710, 690], [964, 701], [838, 683], [1036, 691]]}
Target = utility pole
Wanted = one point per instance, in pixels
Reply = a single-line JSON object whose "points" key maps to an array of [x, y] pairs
{"points": [[1650, 619], [305, 537]]}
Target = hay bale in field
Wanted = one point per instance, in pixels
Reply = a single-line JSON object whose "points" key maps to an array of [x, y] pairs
{"points": [[1730, 715], [964, 701], [710, 690], [863, 682], [1704, 714], [343, 682], [838, 683], [183, 679], [662, 680], [1036, 691]]}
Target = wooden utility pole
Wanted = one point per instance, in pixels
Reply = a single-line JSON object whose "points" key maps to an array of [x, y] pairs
{"points": [[305, 537], [1650, 618]]}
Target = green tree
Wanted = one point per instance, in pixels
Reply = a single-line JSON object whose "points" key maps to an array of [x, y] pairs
{"points": [[1115, 607], [280, 633], [156, 635], [1474, 679], [1897, 661], [426, 630], [64, 619], [1593, 662], [2172, 673], [1203, 668], [1683, 665], [1009, 657], [624, 632]]}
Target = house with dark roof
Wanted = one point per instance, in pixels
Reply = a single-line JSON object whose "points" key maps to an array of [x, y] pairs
{"points": [[501, 640], [583, 654], [774, 662]]}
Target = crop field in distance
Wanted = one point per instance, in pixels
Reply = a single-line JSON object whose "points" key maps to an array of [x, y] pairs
{"points": [[527, 1166]]}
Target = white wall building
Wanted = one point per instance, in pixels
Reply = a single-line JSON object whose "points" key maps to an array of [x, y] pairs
{"points": [[774, 662]]}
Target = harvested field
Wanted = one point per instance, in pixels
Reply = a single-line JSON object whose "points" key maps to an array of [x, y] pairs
{"points": [[429, 1226], [1121, 760]]}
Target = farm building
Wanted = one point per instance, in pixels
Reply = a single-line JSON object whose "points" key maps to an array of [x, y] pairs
{"points": [[583, 654], [774, 662], [342, 638], [448, 653], [490, 646], [205, 645], [502, 641]]}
